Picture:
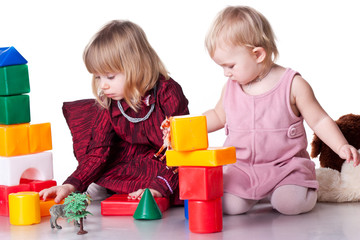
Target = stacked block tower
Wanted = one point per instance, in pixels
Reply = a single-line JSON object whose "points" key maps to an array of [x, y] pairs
{"points": [[25, 160], [200, 171]]}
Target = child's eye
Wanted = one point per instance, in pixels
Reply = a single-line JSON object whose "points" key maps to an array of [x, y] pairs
{"points": [[110, 77], [97, 77]]}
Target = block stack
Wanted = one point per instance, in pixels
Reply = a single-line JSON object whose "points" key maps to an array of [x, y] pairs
{"points": [[25, 160], [200, 171]]}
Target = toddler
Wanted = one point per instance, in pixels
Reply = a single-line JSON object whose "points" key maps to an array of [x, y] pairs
{"points": [[262, 108]]}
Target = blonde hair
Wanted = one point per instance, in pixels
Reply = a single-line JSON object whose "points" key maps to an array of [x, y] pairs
{"points": [[122, 47], [242, 26]]}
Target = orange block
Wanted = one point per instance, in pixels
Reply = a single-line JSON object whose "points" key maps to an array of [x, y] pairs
{"points": [[188, 133], [211, 157], [14, 140], [40, 137], [46, 205]]}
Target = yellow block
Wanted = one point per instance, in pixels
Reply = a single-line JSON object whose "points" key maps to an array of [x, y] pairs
{"points": [[188, 133], [46, 205], [14, 140], [40, 137], [24, 208], [211, 157]]}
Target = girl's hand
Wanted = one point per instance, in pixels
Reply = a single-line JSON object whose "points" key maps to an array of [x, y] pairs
{"points": [[349, 153], [60, 192]]}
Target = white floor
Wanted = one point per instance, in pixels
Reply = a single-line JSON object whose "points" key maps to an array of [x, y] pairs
{"points": [[328, 221]]}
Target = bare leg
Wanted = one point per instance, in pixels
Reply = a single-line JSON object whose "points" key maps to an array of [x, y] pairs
{"points": [[138, 194], [233, 205], [293, 200]]}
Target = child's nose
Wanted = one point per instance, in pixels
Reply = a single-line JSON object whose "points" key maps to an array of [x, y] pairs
{"points": [[104, 85], [227, 72]]}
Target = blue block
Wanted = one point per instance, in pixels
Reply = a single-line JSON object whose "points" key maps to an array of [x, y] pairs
{"points": [[186, 209], [10, 56]]}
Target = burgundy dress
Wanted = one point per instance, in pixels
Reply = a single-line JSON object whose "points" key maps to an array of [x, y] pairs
{"points": [[118, 154]]}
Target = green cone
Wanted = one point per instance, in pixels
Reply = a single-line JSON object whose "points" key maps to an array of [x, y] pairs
{"points": [[147, 208]]}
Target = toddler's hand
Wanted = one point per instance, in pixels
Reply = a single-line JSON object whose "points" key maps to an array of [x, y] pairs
{"points": [[349, 153], [60, 192]]}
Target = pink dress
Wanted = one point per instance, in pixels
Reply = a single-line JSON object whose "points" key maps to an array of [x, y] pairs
{"points": [[270, 141]]}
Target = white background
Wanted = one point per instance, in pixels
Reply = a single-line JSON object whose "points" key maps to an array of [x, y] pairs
{"points": [[320, 39]]}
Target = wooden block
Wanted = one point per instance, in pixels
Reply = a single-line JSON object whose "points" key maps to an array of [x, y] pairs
{"points": [[14, 140], [211, 157], [120, 205], [188, 133], [200, 183]]}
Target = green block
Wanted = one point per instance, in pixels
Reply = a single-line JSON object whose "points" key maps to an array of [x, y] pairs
{"points": [[14, 109], [147, 208], [14, 80]]}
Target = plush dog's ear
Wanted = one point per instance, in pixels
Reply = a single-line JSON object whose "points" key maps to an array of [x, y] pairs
{"points": [[316, 145]]}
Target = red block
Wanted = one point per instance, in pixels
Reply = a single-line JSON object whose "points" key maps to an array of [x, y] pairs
{"points": [[205, 216], [38, 185], [4, 196], [200, 183], [120, 205]]}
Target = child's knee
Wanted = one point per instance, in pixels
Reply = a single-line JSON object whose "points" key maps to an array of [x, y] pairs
{"points": [[233, 205], [293, 200]]}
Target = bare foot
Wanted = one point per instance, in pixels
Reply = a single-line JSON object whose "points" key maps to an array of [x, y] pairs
{"points": [[138, 194]]}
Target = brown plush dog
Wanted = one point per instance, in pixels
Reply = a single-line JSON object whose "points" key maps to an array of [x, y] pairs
{"points": [[350, 126], [338, 180]]}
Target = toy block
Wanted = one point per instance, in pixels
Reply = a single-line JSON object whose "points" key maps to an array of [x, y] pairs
{"points": [[10, 56], [188, 133], [147, 208], [4, 196], [14, 140], [14, 80], [14, 109], [46, 205], [200, 183], [38, 185], [205, 216], [211, 157], [40, 137], [38, 166], [24, 208], [21, 139], [186, 209], [120, 205]]}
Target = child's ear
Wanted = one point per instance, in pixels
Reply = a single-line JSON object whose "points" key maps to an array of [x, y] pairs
{"points": [[260, 54]]}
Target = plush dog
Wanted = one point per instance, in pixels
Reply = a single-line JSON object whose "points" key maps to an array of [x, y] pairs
{"points": [[338, 181]]}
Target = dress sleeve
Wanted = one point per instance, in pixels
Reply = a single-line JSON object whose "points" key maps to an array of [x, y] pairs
{"points": [[91, 168], [172, 100]]}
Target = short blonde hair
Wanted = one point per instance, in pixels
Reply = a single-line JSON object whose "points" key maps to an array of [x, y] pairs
{"points": [[122, 47], [244, 26]]}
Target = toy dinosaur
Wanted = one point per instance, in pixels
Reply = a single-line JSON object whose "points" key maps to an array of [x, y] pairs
{"points": [[74, 208]]}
